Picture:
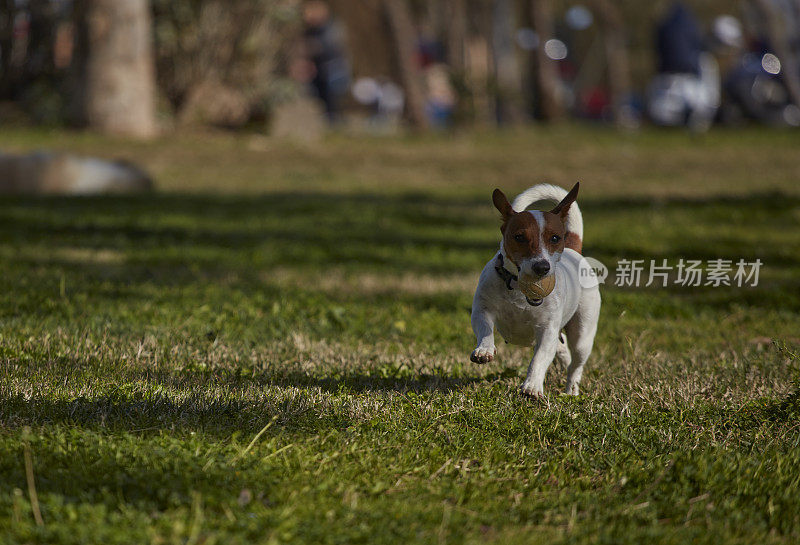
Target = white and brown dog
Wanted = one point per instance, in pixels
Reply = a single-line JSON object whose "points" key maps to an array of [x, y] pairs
{"points": [[536, 245]]}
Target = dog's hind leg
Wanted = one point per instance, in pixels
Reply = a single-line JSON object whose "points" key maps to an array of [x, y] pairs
{"points": [[581, 330], [546, 346], [563, 357]]}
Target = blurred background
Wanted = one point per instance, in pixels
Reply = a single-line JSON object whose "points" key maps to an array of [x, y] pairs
{"points": [[305, 211], [297, 69]]}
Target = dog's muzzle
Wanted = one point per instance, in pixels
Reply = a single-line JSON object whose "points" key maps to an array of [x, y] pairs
{"points": [[507, 278]]}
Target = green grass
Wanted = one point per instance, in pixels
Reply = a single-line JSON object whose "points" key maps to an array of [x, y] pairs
{"points": [[274, 348]]}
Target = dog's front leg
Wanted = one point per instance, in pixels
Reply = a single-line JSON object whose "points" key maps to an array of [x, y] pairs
{"points": [[546, 344], [483, 326]]}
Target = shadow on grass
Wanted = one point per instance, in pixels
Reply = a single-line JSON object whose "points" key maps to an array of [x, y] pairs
{"points": [[326, 222], [371, 382], [173, 240], [141, 413], [150, 401]]}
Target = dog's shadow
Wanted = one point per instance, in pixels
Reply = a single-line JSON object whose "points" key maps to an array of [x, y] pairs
{"points": [[374, 381]]}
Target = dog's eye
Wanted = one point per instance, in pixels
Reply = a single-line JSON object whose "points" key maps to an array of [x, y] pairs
{"points": [[519, 237], [554, 239]]}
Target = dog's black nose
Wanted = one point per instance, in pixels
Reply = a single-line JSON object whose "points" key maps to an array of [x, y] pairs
{"points": [[541, 267]]}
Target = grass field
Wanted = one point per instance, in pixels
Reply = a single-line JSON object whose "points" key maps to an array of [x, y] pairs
{"points": [[275, 347]]}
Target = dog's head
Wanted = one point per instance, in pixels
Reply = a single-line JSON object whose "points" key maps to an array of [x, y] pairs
{"points": [[534, 240]]}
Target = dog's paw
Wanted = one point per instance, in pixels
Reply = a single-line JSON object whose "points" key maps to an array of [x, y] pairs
{"points": [[482, 355], [532, 391], [572, 389]]}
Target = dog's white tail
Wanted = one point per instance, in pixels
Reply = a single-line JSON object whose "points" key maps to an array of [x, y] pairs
{"points": [[547, 192]]}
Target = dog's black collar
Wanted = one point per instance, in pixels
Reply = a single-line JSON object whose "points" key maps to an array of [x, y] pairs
{"points": [[504, 273], [506, 276]]}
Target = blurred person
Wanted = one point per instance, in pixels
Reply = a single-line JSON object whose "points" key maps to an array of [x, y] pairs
{"points": [[441, 97], [430, 49], [384, 100], [325, 45], [727, 41], [679, 42], [686, 90], [757, 85]]}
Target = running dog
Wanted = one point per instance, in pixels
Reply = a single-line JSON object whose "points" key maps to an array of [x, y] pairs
{"points": [[537, 245]]}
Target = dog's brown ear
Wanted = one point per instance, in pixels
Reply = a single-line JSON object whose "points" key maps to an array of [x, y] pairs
{"points": [[501, 203], [563, 207]]}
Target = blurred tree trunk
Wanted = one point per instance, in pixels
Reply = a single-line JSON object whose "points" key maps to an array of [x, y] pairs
{"points": [[455, 39], [508, 79], [7, 12], [456, 36], [780, 42], [619, 80], [546, 75], [481, 64], [115, 55], [39, 64], [399, 15]]}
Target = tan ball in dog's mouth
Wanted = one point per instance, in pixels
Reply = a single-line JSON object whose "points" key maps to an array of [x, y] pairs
{"points": [[537, 289]]}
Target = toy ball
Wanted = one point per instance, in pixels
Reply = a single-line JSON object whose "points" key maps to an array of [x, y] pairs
{"points": [[537, 289]]}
